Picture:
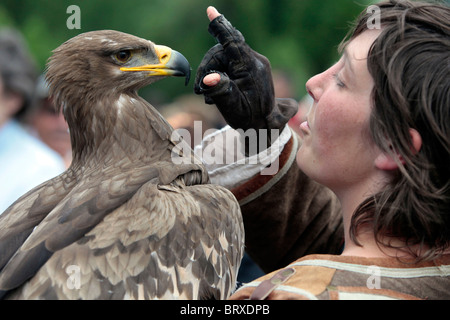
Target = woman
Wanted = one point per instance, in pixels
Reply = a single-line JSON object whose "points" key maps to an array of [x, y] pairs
{"points": [[377, 135]]}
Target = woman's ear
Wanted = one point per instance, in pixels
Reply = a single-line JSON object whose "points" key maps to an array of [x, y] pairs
{"points": [[416, 139], [386, 162]]}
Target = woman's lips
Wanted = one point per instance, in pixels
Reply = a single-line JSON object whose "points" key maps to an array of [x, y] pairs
{"points": [[304, 127]]}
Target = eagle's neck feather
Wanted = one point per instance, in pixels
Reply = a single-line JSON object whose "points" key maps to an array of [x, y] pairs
{"points": [[115, 127]]}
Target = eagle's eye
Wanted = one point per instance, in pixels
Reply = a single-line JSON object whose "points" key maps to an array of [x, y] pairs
{"points": [[123, 56]]}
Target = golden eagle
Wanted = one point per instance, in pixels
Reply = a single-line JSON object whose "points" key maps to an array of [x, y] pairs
{"points": [[125, 221]]}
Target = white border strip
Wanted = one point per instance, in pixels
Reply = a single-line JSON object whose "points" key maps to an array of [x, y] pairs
{"points": [[443, 271], [289, 289]]}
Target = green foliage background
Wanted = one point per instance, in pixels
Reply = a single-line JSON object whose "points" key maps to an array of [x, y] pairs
{"points": [[298, 36]]}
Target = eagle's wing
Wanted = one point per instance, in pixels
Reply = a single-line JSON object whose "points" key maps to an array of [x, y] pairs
{"points": [[83, 207], [95, 196], [165, 243], [19, 220]]}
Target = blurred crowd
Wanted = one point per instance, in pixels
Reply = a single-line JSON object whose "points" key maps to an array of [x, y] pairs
{"points": [[32, 148]]}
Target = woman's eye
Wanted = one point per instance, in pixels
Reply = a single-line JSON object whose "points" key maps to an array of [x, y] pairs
{"points": [[339, 82], [123, 56]]}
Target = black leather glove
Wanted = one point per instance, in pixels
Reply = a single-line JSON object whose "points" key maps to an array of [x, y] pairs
{"points": [[245, 93]]}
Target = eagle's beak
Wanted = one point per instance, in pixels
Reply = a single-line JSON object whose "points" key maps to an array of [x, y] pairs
{"points": [[171, 63]]}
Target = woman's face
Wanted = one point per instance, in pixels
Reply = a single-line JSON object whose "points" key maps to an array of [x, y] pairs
{"points": [[336, 149]]}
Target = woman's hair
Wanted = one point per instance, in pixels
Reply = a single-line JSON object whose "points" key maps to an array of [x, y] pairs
{"points": [[410, 65]]}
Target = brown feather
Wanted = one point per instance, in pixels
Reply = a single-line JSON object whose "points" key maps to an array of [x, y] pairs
{"points": [[131, 222]]}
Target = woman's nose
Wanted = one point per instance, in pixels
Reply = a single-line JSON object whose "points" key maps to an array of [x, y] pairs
{"points": [[314, 86], [317, 84]]}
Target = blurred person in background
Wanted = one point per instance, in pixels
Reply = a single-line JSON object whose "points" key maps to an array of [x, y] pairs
{"points": [[25, 161], [186, 110], [48, 124]]}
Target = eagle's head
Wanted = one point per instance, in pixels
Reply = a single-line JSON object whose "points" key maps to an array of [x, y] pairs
{"points": [[99, 64], [95, 76]]}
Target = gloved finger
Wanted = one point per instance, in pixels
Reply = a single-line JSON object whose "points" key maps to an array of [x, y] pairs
{"points": [[221, 29], [214, 60], [231, 39], [233, 103], [221, 88]]}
